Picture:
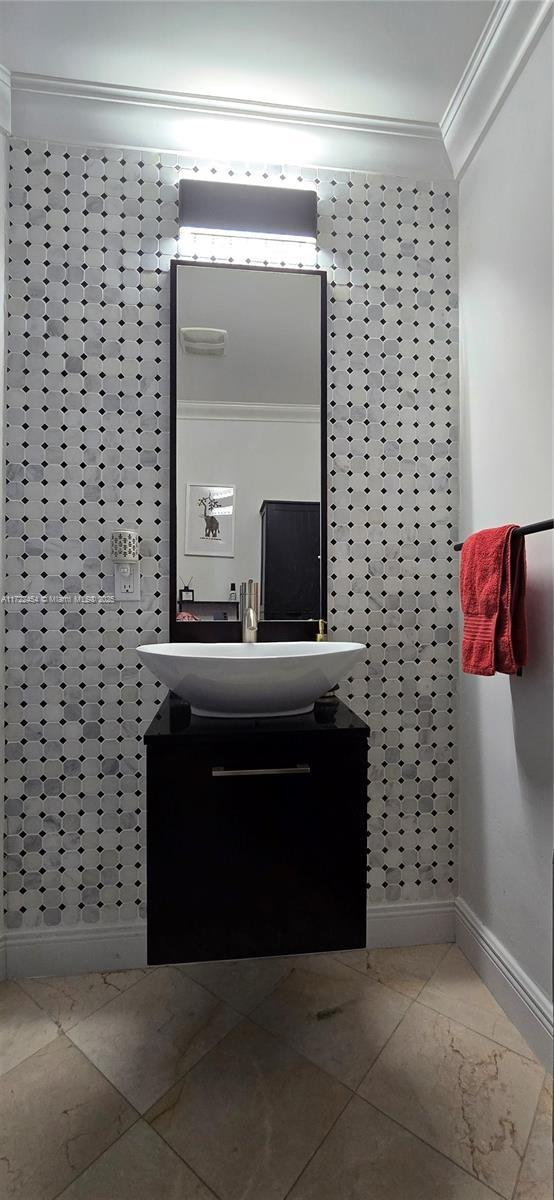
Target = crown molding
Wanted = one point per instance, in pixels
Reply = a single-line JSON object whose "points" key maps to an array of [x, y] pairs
{"points": [[214, 411], [111, 114], [506, 42], [88, 113], [474, 65], [5, 100], [82, 89]]}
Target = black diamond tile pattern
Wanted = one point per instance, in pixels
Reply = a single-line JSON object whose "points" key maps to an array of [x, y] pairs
{"points": [[92, 232]]}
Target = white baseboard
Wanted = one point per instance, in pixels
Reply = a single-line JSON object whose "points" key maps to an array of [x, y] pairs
{"points": [[423, 923], [75, 951], [121, 947], [522, 1000]]}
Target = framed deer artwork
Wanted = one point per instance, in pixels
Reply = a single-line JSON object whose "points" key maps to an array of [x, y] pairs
{"points": [[210, 520]]}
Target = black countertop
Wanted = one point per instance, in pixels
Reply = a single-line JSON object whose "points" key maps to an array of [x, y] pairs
{"points": [[175, 721]]}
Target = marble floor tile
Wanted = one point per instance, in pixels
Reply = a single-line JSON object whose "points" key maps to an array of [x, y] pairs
{"points": [[249, 1116], [537, 1170], [357, 959], [243, 983], [57, 1114], [456, 991], [467, 1096], [69, 999], [24, 1027], [406, 968], [140, 1166], [332, 1015], [368, 1157], [145, 1039]]}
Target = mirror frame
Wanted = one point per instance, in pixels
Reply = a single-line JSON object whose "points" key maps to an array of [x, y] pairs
{"points": [[231, 631]]}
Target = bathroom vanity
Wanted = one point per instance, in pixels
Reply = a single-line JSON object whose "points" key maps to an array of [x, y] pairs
{"points": [[256, 824], [256, 834]]}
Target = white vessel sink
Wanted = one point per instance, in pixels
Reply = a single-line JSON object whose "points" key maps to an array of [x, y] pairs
{"points": [[262, 679]]}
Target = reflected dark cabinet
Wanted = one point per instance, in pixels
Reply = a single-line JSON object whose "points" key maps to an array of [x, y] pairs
{"points": [[256, 834], [290, 566]]}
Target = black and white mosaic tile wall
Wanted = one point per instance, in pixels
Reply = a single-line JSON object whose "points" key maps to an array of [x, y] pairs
{"points": [[92, 232]]}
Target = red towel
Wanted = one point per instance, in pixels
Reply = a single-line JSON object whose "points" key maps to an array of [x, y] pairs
{"points": [[492, 592]]}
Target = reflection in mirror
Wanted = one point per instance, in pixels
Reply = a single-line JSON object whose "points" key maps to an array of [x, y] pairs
{"points": [[248, 386]]}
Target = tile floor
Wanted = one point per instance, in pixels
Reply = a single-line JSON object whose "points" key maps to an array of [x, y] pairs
{"points": [[388, 1075]]}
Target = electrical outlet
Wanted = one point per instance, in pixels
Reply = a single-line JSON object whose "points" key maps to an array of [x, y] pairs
{"points": [[127, 581]]}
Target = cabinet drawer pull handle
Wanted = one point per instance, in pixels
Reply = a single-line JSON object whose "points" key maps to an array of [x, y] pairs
{"points": [[221, 772]]}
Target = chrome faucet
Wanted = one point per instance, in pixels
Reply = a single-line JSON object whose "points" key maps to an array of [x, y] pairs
{"points": [[249, 610], [249, 625]]}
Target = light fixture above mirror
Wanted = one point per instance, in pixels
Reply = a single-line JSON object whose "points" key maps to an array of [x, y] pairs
{"points": [[223, 220]]}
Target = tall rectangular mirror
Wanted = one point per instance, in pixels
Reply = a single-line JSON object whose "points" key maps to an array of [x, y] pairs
{"points": [[248, 458]]}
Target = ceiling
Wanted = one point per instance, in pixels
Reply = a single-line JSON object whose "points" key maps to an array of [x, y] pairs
{"points": [[398, 59]]}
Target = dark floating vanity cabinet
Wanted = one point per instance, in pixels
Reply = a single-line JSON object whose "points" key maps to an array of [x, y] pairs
{"points": [[256, 834]]}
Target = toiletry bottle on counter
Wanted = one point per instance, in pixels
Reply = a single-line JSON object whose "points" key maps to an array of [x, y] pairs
{"points": [[233, 591]]}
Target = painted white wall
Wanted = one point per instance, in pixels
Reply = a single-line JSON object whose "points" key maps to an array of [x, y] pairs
{"points": [[506, 475], [266, 460]]}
